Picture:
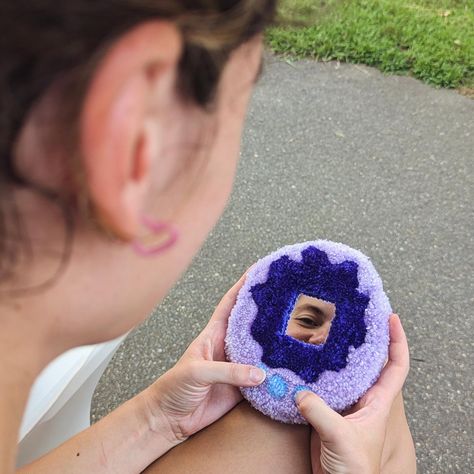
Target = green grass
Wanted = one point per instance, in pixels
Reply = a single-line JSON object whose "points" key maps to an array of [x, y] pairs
{"points": [[432, 40]]}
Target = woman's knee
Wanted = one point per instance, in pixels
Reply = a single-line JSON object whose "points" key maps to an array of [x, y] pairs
{"points": [[243, 441]]}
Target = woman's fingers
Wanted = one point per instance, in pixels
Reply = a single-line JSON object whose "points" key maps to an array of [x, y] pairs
{"points": [[226, 304], [395, 371], [328, 423], [238, 375]]}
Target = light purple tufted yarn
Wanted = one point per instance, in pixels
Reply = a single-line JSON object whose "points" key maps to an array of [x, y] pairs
{"points": [[339, 389]]}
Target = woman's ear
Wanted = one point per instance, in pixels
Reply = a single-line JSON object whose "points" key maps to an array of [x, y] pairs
{"points": [[119, 137]]}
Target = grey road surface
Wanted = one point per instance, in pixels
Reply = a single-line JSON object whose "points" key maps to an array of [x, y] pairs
{"points": [[383, 164]]}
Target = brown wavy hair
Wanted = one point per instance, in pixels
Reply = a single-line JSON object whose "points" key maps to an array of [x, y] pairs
{"points": [[46, 40]]}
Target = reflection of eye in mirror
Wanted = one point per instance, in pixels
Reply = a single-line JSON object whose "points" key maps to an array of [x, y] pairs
{"points": [[311, 319]]}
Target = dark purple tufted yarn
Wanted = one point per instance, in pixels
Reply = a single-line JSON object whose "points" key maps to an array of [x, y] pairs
{"points": [[314, 276]]}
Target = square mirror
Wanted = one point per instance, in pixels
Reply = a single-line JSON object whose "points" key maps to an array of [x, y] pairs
{"points": [[311, 320]]}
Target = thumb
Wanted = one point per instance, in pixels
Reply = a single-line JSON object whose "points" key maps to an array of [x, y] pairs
{"points": [[323, 419], [239, 375]]}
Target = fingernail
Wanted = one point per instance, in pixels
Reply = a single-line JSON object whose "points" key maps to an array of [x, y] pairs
{"points": [[257, 375], [300, 396]]}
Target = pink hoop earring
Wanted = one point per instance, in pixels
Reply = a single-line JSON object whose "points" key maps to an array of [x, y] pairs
{"points": [[156, 228]]}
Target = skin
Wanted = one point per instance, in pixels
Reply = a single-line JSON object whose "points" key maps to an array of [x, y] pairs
{"points": [[145, 151], [311, 319], [371, 437]]}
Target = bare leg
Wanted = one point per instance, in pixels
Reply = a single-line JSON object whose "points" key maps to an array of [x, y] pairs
{"points": [[243, 441], [398, 455]]}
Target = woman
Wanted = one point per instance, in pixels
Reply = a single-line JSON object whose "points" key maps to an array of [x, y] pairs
{"points": [[121, 120]]}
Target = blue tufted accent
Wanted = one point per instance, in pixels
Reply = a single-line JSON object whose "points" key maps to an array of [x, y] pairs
{"points": [[314, 276], [277, 386]]}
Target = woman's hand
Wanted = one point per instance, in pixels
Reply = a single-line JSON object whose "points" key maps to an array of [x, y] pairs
{"points": [[201, 387], [353, 443]]}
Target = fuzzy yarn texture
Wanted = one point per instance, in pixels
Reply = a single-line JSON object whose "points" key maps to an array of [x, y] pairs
{"points": [[342, 369]]}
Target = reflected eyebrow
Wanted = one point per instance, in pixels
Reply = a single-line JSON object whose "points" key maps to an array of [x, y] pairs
{"points": [[311, 307]]}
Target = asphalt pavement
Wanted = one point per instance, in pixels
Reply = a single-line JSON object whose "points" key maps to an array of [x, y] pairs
{"points": [[382, 163]]}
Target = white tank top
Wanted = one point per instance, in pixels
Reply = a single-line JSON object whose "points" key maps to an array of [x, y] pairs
{"points": [[59, 403]]}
